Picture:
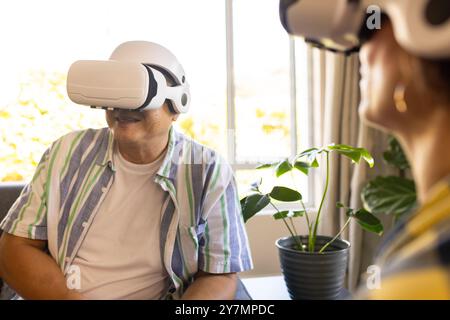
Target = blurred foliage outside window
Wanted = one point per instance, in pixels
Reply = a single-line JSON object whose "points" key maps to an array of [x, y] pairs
{"points": [[42, 112]]}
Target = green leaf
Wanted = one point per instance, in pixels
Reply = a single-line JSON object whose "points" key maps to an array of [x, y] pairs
{"points": [[368, 221], [340, 205], [314, 163], [353, 153], [340, 147], [266, 165], [302, 166], [311, 156], [288, 214], [285, 194], [389, 195], [367, 157], [350, 152], [309, 153], [395, 155], [252, 204], [283, 167]]}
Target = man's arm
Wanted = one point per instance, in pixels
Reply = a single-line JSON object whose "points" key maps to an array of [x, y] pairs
{"points": [[31, 272], [209, 286], [223, 245]]}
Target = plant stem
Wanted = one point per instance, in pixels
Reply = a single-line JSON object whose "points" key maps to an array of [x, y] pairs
{"points": [[312, 243], [284, 220], [340, 232], [309, 225], [306, 216], [293, 226], [303, 206], [294, 236]]}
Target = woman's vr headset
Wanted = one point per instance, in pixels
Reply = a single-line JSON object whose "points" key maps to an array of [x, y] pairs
{"points": [[420, 26], [135, 78]]}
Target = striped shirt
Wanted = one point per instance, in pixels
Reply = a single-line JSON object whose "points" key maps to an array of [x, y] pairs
{"points": [[201, 226], [414, 258]]}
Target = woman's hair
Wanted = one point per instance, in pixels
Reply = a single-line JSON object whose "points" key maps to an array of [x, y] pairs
{"points": [[437, 77], [436, 73]]}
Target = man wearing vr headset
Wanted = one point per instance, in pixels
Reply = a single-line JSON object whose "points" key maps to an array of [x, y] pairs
{"points": [[133, 211], [405, 89]]}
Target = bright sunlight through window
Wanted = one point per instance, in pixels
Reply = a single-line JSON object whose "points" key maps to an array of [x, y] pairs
{"points": [[247, 77]]}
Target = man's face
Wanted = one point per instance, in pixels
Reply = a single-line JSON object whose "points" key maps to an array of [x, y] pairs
{"points": [[137, 127]]}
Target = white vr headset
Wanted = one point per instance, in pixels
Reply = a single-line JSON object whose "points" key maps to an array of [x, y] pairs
{"points": [[421, 27], [135, 78]]}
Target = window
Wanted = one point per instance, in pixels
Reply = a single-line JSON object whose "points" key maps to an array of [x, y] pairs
{"points": [[267, 95], [247, 101]]}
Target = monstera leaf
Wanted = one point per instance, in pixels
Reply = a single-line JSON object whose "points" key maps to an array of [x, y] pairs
{"points": [[395, 155], [389, 195]]}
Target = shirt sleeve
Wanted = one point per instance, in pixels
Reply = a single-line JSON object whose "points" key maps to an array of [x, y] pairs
{"points": [[224, 246], [27, 217]]}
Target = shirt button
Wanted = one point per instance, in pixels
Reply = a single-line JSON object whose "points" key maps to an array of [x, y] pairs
{"points": [[85, 224], [104, 189]]}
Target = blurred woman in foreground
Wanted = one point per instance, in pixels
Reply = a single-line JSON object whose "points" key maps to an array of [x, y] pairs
{"points": [[405, 90], [410, 97]]}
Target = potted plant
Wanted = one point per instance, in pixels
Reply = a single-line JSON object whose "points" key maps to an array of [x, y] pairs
{"points": [[313, 265]]}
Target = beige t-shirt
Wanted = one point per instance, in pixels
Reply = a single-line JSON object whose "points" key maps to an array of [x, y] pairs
{"points": [[120, 256]]}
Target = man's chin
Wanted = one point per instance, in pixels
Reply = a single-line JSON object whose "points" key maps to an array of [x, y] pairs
{"points": [[126, 132]]}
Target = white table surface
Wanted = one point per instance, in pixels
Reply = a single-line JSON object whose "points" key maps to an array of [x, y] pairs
{"points": [[267, 288], [274, 288]]}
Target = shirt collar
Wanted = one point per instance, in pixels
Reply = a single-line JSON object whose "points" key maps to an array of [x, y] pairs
{"points": [[108, 143], [169, 164]]}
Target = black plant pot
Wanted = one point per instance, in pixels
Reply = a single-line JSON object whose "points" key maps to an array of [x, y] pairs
{"points": [[314, 276]]}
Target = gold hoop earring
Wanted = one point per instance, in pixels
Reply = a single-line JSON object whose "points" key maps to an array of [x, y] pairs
{"points": [[399, 98]]}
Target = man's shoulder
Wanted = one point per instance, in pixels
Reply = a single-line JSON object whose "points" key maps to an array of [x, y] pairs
{"points": [[200, 152], [193, 153], [77, 143], [89, 134], [82, 138]]}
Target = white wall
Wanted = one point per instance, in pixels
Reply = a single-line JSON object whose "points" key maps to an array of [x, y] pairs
{"points": [[262, 232]]}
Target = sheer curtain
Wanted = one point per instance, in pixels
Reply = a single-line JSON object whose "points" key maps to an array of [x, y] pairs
{"points": [[334, 98]]}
